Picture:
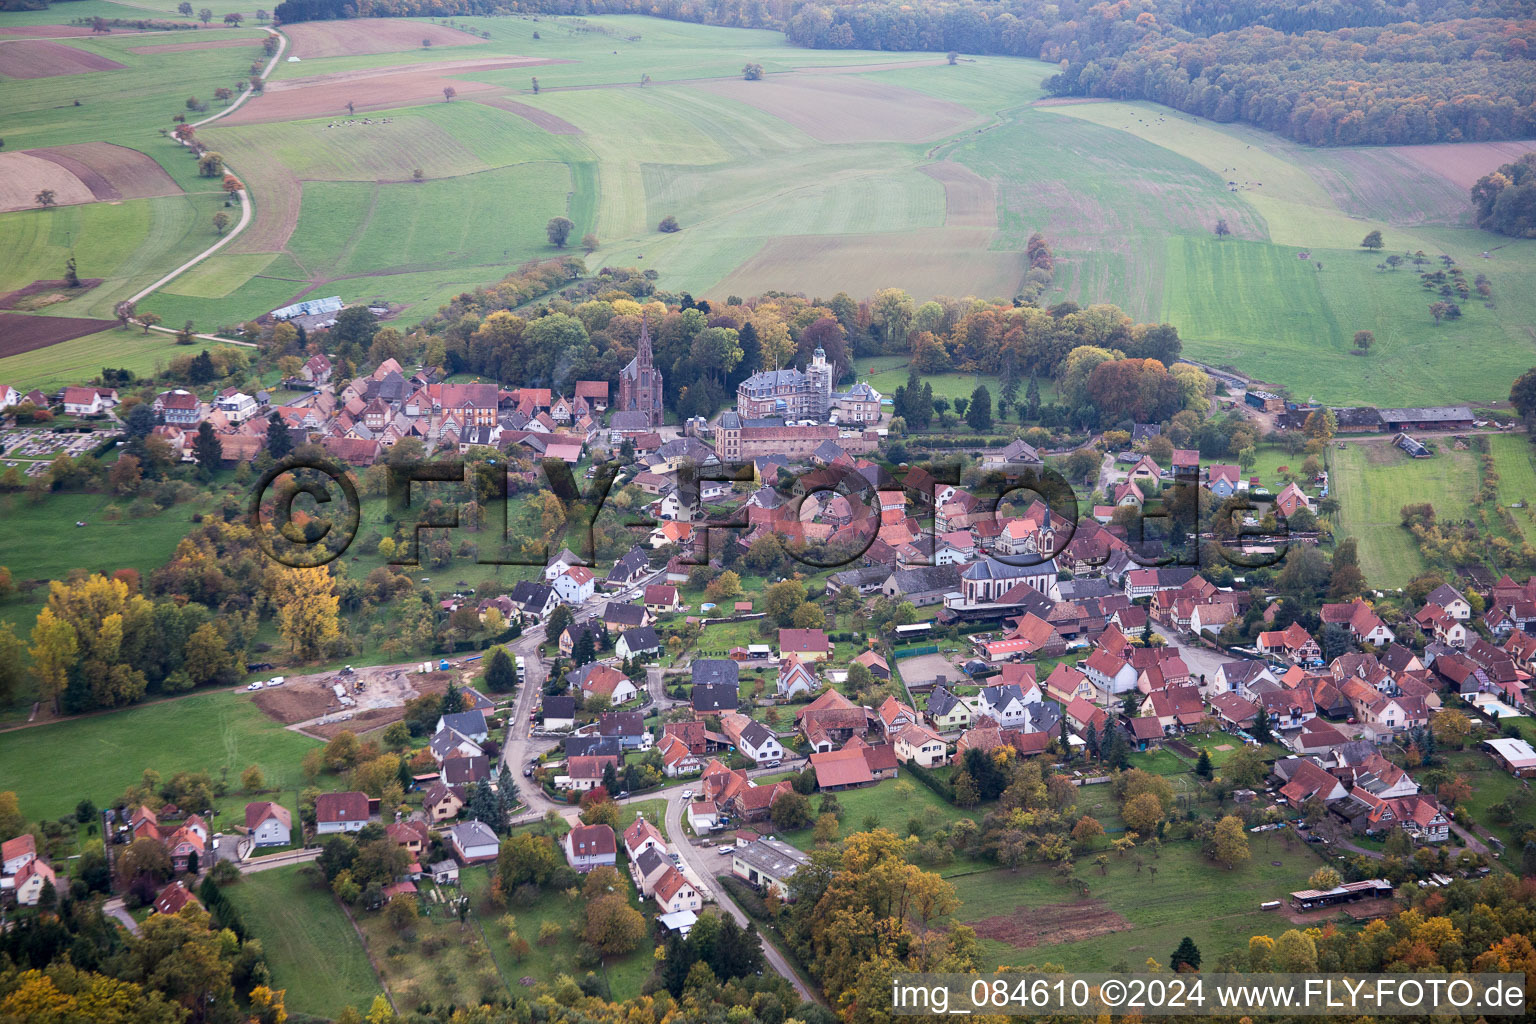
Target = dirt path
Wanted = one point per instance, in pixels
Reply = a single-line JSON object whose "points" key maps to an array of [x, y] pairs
{"points": [[246, 202]]}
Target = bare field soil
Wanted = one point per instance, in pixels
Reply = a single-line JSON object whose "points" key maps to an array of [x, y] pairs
{"points": [[1464, 162], [45, 293], [1052, 924], [20, 333], [38, 58], [543, 118], [386, 688], [23, 176], [82, 173], [202, 44], [368, 89], [312, 39], [924, 262], [836, 109], [112, 172], [970, 201]]}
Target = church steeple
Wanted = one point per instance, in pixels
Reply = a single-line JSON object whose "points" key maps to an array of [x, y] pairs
{"points": [[643, 356]]}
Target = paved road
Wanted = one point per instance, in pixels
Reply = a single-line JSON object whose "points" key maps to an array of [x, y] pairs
{"points": [[704, 862], [115, 907]]}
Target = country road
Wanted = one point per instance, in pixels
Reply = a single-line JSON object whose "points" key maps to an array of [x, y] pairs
{"points": [[247, 204]]}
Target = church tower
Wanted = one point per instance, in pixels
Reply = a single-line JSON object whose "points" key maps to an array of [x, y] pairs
{"points": [[640, 383], [818, 376]]}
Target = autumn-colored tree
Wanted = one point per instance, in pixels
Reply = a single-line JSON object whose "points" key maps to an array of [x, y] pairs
{"points": [[1143, 812], [307, 608], [613, 927], [1088, 829], [1230, 842]]}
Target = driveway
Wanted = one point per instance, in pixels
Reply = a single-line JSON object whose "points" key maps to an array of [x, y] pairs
{"points": [[1202, 661]]}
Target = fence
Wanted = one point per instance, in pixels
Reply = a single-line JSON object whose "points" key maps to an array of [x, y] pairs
{"points": [[912, 652]]}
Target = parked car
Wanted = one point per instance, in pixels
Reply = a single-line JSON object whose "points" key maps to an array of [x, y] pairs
{"points": [[255, 686], [277, 680], [687, 794]]}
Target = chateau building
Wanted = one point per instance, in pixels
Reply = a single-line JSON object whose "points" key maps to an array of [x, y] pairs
{"points": [[640, 382], [789, 394]]}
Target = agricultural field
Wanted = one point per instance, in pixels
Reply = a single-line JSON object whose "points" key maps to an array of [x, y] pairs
{"points": [[311, 947], [841, 170], [211, 732]]}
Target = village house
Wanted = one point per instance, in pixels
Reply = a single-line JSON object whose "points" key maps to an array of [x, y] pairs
{"points": [[442, 802], [642, 835], [268, 824], [948, 712], [340, 812], [920, 744], [804, 644], [795, 679], [598, 680], [170, 900], [752, 738], [473, 842], [674, 894], [590, 846], [1293, 644], [575, 585]]}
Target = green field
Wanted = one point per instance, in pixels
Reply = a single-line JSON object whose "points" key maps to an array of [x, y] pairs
{"points": [[311, 947], [54, 766], [1373, 481]]}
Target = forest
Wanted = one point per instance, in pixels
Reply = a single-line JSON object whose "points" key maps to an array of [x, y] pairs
{"points": [[1505, 199], [1351, 72]]}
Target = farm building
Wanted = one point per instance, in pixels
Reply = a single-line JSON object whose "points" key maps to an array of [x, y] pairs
{"points": [[1515, 755], [1267, 401], [327, 307], [1436, 417], [1349, 892], [1359, 419], [1411, 446]]}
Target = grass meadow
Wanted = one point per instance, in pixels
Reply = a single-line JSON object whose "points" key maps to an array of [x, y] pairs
{"points": [[54, 766], [1028, 917], [1374, 480], [311, 947]]}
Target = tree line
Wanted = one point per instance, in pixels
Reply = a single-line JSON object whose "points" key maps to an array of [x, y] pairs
{"points": [[1505, 200]]}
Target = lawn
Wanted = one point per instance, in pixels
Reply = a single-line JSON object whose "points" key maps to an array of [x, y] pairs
{"points": [[1373, 480], [895, 804], [1491, 785], [311, 947], [52, 767], [1029, 917]]}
